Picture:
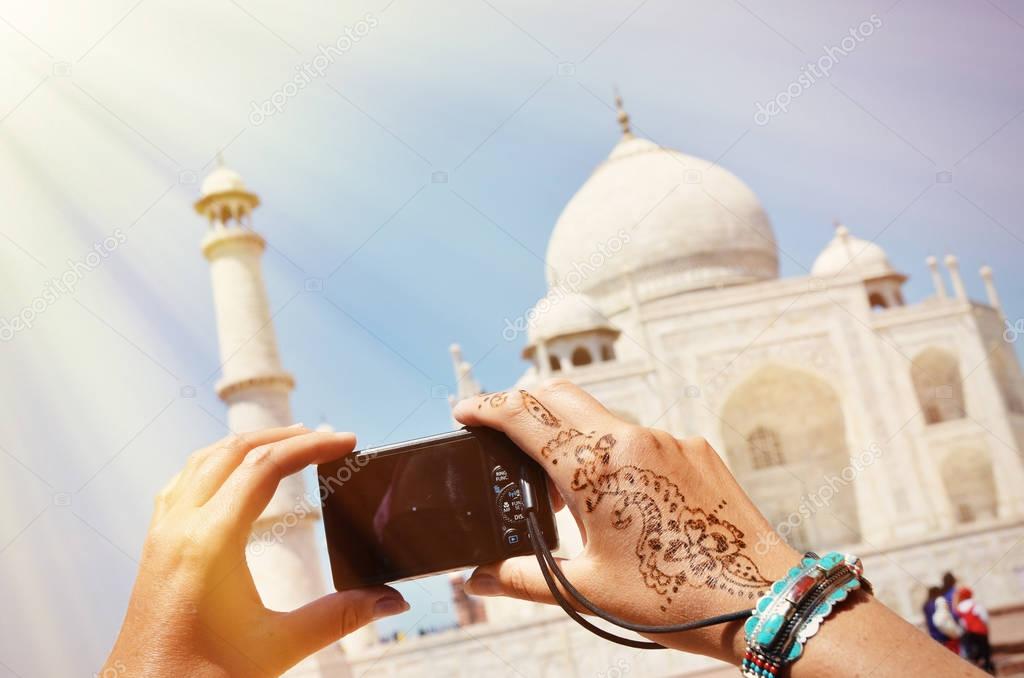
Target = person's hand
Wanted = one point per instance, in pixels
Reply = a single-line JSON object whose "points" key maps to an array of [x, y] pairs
{"points": [[669, 534], [195, 610]]}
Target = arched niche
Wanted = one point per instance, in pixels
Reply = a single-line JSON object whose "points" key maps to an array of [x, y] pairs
{"points": [[554, 363], [785, 437], [940, 393], [970, 484], [581, 356]]}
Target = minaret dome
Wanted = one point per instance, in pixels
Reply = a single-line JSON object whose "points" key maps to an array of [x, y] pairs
{"points": [[224, 199]]}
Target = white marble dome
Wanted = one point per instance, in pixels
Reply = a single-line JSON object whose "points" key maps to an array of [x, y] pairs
{"points": [[222, 180], [560, 313], [691, 225], [846, 253]]}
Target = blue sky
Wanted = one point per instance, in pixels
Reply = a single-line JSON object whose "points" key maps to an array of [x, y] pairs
{"points": [[109, 111]]}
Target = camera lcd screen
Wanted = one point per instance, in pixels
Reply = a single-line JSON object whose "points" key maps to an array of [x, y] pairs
{"points": [[404, 514]]}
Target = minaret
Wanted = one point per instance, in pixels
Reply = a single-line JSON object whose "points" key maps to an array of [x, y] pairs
{"points": [[466, 386], [254, 386], [940, 286], [990, 291], [954, 275]]}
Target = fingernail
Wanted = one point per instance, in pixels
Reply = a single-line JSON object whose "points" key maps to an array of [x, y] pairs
{"points": [[389, 606], [298, 425], [483, 585]]}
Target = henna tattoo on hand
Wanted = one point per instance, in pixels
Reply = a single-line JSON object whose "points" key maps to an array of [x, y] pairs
{"points": [[538, 411], [562, 439], [493, 399], [532, 405], [679, 544]]}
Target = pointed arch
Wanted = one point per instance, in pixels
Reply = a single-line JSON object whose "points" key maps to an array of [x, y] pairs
{"points": [[785, 436], [937, 383]]}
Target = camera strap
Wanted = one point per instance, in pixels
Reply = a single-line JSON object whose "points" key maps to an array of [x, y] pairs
{"points": [[551, 571]]}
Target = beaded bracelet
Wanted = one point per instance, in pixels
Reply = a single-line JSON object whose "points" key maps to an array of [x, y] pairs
{"points": [[794, 608]]}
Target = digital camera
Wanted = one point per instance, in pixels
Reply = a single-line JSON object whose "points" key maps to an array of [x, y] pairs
{"points": [[441, 503]]}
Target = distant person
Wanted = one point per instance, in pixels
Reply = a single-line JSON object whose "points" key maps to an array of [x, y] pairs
{"points": [[974, 620], [195, 610], [953, 629], [938, 617], [949, 590]]}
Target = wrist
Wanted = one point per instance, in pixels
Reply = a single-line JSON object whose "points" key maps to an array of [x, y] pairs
{"points": [[725, 642], [791, 613], [775, 564]]}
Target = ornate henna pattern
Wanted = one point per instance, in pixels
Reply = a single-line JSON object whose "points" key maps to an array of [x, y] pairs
{"points": [[562, 439], [679, 544]]}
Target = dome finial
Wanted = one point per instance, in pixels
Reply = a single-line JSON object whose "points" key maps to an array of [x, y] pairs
{"points": [[621, 115], [841, 231]]}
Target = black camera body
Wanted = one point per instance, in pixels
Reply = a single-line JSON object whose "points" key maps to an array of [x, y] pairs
{"points": [[431, 505]]}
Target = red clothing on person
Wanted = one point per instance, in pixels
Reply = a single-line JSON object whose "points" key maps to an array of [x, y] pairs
{"points": [[973, 617]]}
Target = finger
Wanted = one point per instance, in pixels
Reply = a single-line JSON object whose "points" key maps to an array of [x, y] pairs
{"points": [[551, 423], [164, 498], [322, 622], [217, 461], [249, 488], [521, 578]]}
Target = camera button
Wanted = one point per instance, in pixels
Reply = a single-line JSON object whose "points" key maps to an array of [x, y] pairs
{"points": [[513, 537], [500, 475], [511, 504]]}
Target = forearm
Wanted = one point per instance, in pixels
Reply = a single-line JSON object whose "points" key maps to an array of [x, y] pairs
{"points": [[864, 637]]}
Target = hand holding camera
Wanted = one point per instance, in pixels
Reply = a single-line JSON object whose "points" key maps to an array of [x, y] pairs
{"points": [[194, 609], [668, 532]]}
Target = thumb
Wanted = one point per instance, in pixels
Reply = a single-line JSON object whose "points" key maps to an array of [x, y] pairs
{"points": [[521, 578], [326, 620]]}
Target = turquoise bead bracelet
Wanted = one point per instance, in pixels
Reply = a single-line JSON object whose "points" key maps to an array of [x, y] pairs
{"points": [[793, 609]]}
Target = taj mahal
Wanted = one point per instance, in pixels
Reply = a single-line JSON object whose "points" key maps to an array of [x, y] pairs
{"points": [[855, 418]]}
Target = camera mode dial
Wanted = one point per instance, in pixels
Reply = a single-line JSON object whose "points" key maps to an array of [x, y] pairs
{"points": [[511, 505]]}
